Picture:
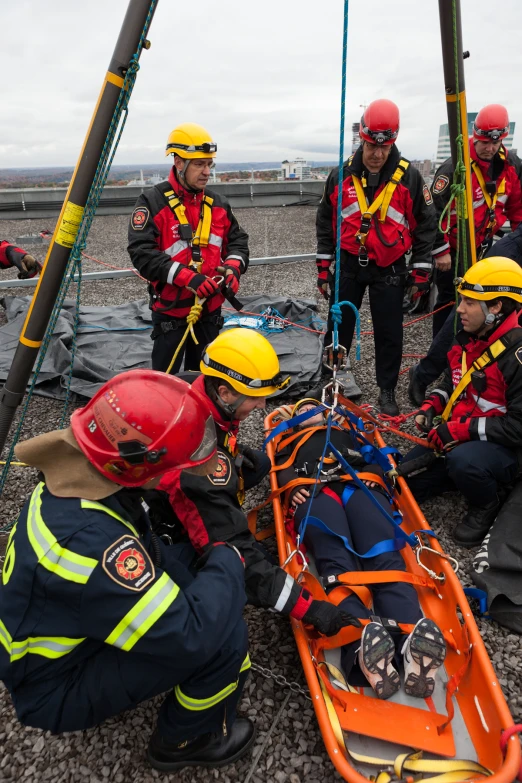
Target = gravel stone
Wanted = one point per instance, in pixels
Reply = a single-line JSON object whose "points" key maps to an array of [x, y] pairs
{"points": [[92, 756]]}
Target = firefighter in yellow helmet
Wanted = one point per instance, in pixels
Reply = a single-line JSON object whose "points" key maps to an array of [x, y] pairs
{"points": [[479, 403], [240, 369], [185, 240]]}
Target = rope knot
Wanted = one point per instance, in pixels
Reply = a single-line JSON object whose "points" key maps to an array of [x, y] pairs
{"points": [[195, 313], [336, 314]]}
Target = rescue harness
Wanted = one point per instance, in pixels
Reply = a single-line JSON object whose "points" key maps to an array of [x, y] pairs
{"points": [[491, 194], [381, 203]]}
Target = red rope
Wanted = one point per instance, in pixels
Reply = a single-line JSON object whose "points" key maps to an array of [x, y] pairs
{"points": [[506, 735], [386, 423], [117, 268]]}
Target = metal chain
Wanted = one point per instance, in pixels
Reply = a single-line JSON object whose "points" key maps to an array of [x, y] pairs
{"points": [[280, 679]]}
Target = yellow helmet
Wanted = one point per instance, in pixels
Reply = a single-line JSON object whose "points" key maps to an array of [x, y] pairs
{"points": [[191, 141], [246, 360], [491, 278]]}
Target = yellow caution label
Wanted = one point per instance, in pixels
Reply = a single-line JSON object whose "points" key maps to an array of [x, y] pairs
{"points": [[68, 228]]}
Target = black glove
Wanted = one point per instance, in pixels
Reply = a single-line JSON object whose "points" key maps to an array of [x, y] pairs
{"points": [[328, 619], [352, 457], [250, 457]]}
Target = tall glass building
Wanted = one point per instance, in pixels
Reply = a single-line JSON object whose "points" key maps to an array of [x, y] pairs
{"points": [[443, 148]]}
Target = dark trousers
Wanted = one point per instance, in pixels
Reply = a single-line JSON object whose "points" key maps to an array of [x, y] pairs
{"points": [[363, 525], [436, 360], [165, 343], [112, 681], [445, 294], [386, 292], [477, 469]]}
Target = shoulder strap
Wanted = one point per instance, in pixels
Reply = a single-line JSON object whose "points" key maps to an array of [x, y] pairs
{"points": [[509, 341], [398, 174], [384, 198]]}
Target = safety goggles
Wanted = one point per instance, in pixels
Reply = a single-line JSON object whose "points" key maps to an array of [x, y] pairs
{"points": [[381, 136], [252, 383], [207, 147], [496, 134]]}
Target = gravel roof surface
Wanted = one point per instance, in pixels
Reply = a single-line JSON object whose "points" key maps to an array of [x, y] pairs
{"points": [[289, 748]]}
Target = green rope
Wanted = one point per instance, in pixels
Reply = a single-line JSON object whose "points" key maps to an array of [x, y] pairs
{"points": [[74, 265]]}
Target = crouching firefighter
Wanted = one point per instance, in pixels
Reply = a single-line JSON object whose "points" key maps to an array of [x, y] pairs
{"points": [[239, 370], [479, 403], [96, 614], [185, 240], [387, 211]]}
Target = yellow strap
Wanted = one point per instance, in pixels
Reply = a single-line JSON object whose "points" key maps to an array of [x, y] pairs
{"points": [[205, 222], [500, 190], [177, 207], [487, 357], [332, 714], [382, 201], [446, 770]]}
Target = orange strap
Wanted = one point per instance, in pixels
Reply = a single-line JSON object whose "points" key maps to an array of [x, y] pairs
{"points": [[381, 577], [252, 526], [308, 430], [291, 458], [454, 682]]}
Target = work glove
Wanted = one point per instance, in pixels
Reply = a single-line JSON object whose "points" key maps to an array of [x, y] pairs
{"points": [[417, 283], [250, 457], [328, 619], [323, 277], [204, 287], [26, 264], [232, 274], [449, 434], [425, 416]]}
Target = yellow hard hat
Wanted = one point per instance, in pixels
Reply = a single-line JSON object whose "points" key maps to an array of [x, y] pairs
{"points": [[191, 141], [491, 278], [246, 360]]}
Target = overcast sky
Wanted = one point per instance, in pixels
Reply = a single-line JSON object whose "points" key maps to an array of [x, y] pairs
{"points": [[263, 77]]}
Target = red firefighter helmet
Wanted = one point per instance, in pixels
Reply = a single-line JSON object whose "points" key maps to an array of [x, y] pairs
{"points": [[143, 423], [380, 122], [491, 123]]}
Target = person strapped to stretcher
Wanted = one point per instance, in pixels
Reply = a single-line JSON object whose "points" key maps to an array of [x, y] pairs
{"points": [[338, 520]]}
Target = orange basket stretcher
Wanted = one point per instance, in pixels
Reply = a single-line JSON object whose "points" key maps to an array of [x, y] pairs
{"points": [[463, 731]]}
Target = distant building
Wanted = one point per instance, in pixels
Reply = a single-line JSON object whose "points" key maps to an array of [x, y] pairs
{"points": [[424, 166], [443, 148], [296, 169], [356, 139], [142, 182]]}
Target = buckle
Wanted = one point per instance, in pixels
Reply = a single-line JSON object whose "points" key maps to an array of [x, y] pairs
{"points": [[366, 222], [363, 256], [330, 582]]}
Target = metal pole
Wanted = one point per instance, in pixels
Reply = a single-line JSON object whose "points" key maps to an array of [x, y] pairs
{"points": [[70, 217], [455, 105]]}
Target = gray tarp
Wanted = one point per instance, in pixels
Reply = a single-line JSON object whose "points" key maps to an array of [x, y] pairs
{"points": [[113, 339]]}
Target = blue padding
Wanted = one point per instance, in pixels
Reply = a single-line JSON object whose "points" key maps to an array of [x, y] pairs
{"points": [[389, 545], [480, 595]]}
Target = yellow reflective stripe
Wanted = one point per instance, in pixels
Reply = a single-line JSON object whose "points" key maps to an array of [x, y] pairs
{"points": [[57, 559], [144, 614], [196, 705], [5, 638], [94, 506], [47, 646]]}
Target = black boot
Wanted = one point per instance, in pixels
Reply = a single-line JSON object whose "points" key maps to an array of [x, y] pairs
{"points": [[209, 750], [416, 389], [475, 525], [387, 402]]}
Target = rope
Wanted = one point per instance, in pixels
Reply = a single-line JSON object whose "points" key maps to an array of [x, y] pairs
{"points": [[340, 188], [385, 423], [74, 261], [192, 318]]}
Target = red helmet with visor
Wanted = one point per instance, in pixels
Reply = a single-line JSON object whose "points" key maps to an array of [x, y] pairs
{"points": [[143, 423]]}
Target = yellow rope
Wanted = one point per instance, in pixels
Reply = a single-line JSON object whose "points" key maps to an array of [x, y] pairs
{"points": [[192, 318], [16, 464]]}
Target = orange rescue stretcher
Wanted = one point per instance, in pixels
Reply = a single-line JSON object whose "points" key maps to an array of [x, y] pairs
{"points": [[465, 730]]}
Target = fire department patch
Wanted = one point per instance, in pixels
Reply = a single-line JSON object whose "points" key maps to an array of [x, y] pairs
{"points": [[222, 473], [441, 183], [128, 563], [139, 218], [427, 195]]}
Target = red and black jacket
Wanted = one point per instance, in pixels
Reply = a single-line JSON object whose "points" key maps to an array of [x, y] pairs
{"points": [[410, 220], [8, 253], [159, 254], [494, 414], [504, 166], [208, 508]]}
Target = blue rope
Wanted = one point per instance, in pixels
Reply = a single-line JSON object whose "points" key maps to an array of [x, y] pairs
{"points": [[337, 317], [341, 171]]}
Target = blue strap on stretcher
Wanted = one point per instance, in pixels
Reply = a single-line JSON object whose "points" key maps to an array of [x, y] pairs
{"points": [[289, 424], [389, 545]]}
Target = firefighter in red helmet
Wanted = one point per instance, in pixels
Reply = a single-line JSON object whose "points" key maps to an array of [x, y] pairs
{"points": [[387, 210], [96, 613], [497, 197]]}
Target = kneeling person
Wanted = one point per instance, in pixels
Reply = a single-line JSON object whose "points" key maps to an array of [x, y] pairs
{"points": [[96, 614], [351, 514]]}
